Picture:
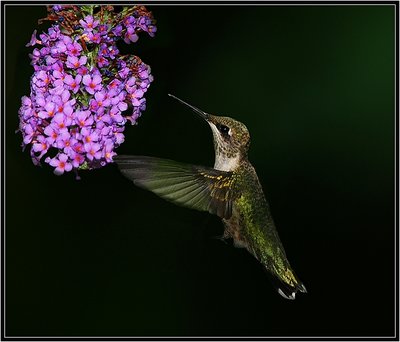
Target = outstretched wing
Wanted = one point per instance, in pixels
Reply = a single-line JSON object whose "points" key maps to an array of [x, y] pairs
{"points": [[196, 187]]}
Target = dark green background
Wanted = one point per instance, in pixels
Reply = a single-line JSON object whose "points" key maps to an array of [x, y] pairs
{"points": [[315, 87]]}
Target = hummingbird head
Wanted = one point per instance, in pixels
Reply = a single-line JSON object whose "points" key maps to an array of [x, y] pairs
{"points": [[231, 138]]}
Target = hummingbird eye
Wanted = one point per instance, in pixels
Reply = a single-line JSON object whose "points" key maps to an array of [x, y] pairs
{"points": [[223, 129]]}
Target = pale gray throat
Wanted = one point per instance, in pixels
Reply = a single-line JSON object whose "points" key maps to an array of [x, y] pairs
{"points": [[222, 161]]}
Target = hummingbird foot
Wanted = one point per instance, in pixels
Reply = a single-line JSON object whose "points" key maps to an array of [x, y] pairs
{"points": [[222, 238]]}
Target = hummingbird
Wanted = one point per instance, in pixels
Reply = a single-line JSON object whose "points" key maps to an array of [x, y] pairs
{"points": [[230, 190]]}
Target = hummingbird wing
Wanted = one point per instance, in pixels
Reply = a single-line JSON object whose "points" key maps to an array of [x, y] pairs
{"points": [[196, 187]]}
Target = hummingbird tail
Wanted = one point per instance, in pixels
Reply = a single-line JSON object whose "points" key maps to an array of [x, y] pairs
{"points": [[284, 289]]}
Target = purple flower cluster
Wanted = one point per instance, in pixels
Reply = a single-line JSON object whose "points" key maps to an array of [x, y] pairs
{"points": [[82, 87]]}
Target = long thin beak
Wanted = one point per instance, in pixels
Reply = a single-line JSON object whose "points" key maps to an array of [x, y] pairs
{"points": [[202, 114]]}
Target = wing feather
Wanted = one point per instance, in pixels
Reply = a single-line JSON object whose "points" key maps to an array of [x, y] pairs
{"points": [[196, 187]]}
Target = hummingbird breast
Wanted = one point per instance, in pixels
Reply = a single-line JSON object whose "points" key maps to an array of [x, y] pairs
{"points": [[225, 162]]}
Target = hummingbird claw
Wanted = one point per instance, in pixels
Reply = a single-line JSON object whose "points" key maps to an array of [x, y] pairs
{"points": [[222, 238]]}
